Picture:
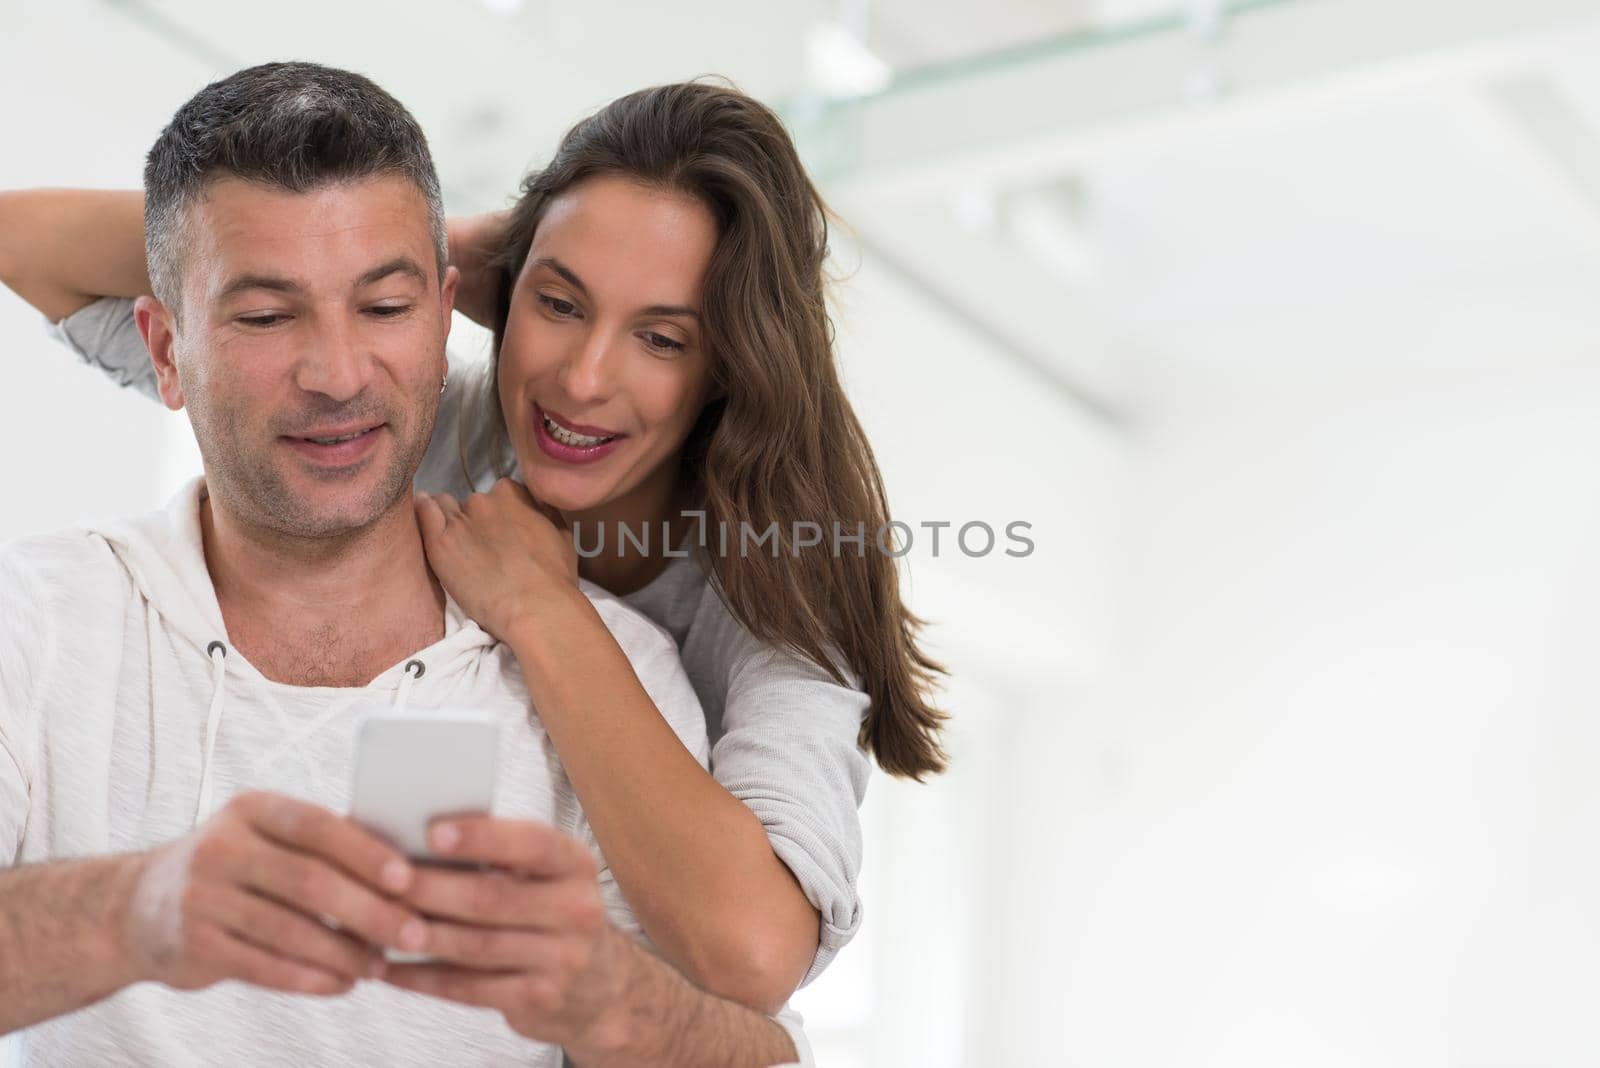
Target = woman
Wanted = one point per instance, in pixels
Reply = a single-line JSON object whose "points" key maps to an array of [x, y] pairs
{"points": [[662, 346]]}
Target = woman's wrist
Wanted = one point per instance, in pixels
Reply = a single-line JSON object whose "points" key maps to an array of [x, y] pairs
{"points": [[551, 623]]}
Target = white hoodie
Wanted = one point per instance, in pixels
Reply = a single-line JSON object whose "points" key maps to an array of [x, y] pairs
{"points": [[114, 668]]}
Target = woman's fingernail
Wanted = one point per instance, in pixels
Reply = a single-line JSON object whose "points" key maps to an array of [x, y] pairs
{"points": [[445, 837], [396, 875]]}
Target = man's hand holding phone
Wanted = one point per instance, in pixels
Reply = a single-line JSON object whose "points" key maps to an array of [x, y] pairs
{"points": [[513, 909], [526, 935], [250, 893]]}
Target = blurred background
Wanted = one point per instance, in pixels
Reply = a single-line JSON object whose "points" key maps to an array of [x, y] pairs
{"points": [[1276, 320]]}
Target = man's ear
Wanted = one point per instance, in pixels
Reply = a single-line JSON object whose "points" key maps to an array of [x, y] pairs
{"points": [[158, 327], [447, 294]]}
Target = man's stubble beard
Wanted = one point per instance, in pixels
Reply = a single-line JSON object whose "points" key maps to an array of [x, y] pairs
{"points": [[246, 473]]}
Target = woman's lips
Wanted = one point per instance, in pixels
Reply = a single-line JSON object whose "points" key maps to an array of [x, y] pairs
{"points": [[577, 428], [567, 452]]}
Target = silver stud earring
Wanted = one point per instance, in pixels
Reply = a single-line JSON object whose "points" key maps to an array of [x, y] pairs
{"points": [[442, 383]]}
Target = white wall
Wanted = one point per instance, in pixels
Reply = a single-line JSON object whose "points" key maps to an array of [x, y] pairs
{"points": [[1303, 774], [1349, 816], [75, 446]]}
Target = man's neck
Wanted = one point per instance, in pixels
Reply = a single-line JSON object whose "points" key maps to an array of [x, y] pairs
{"points": [[323, 611]]}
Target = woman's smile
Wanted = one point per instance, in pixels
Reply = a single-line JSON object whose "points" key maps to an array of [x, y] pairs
{"points": [[573, 443]]}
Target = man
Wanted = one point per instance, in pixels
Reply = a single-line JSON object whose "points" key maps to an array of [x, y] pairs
{"points": [[295, 240]]}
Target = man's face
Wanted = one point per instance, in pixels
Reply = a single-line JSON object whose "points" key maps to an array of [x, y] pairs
{"points": [[309, 349]]}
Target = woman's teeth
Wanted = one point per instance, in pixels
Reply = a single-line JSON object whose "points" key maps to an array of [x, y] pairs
{"points": [[567, 437]]}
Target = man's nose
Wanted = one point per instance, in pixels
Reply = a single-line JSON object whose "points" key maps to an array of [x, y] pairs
{"points": [[334, 362]]}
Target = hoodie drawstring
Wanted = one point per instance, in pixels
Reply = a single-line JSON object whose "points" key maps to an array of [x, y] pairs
{"points": [[407, 676], [218, 653]]}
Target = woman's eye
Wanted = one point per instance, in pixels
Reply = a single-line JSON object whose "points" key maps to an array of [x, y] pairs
{"points": [[557, 305], [663, 343]]}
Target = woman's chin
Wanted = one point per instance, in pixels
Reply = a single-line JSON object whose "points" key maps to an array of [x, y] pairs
{"points": [[559, 493]]}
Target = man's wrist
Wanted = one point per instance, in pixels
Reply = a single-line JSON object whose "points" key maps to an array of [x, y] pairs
{"points": [[118, 956], [615, 1037], [656, 1017]]}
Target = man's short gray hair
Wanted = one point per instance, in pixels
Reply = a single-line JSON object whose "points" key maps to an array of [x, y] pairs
{"points": [[290, 126]]}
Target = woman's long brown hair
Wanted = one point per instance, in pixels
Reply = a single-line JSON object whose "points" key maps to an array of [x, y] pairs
{"points": [[781, 443]]}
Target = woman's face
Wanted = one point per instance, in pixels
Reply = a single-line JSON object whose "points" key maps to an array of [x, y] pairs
{"points": [[603, 368]]}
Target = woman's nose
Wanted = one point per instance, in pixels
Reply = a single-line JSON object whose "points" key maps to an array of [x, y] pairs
{"points": [[588, 373]]}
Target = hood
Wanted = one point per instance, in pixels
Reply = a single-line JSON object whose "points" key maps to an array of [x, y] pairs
{"points": [[164, 554]]}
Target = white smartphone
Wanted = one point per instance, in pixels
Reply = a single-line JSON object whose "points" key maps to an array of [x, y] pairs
{"points": [[414, 768]]}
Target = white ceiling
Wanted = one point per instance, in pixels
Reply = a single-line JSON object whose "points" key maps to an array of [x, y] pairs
{"points": [[518, 72], [1174, 200], [1337, 185]]}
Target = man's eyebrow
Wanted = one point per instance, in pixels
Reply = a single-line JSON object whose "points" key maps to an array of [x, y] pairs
{"points": [[260, 281], [399, 265], [577, 283]]}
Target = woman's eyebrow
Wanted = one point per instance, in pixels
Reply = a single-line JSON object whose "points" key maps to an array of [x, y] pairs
{"points": [[672, 309], [564, 271], [577, 283]]}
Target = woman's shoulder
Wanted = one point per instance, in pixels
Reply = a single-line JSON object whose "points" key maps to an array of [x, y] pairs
{"points": [[722, 646], [778, 713], [627, 621]]}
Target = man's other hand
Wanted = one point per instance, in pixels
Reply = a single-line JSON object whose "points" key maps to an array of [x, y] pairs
{"points": [[272, 891]]}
